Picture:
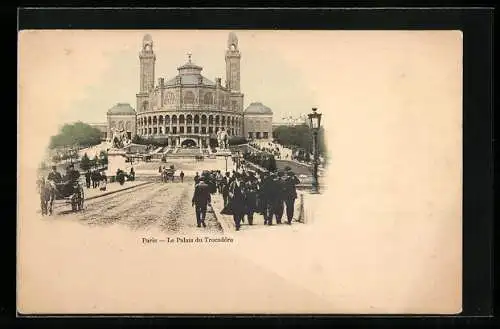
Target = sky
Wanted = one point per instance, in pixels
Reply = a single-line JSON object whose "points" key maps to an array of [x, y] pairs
{"points": [[98, 69]]}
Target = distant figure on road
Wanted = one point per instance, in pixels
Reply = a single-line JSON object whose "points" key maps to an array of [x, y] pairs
{"points": [[104, 182], [196, 178], [181, 175], [87, 178], [201, 198]]}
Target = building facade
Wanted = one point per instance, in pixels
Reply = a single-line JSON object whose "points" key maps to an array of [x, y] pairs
{"points": [[189, 109], [258, 121], [121, 117]]}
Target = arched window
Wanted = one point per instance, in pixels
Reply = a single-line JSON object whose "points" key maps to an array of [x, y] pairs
{"points": [[120, 125], [160, 119], [188, 97], [210, 119], [174, 119], [149, 120], [228, 120], [145, 105], [208, 98], [189, 119], [217, 119], [223, 120], [203, 119], [113, 124], [232, 121], [181, 119], [128, 126], [154, 120], [196, 119], [167, 119]]}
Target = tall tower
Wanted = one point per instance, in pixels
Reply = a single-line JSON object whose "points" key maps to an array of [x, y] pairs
{"points": [[233, 57], [147, 61], [147, 58]]}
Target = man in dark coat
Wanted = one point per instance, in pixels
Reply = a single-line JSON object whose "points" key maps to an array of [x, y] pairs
{"points": [[290, 182], [277, 197], [237, 200], [181, 175], [251, 188], [70, 179], [196, 178], [225, 188], [266, 195], [201, 198], [54, 175], [87, 178]]}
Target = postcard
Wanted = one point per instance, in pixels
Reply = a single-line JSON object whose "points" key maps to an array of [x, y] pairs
{"points": [[239, 171]]}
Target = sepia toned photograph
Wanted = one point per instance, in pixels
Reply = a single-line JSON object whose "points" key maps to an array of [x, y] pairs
{"points": [[239, 171]]}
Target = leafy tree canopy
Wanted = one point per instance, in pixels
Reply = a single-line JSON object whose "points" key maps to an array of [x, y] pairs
{"points": [[78, 133], [299, 136]]}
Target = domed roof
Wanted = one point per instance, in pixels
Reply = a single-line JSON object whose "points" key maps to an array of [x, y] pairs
{"points": [[122, 108], [258, 108]]}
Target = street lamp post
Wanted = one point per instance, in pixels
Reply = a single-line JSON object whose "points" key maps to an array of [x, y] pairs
{"points": [[314, 124]]}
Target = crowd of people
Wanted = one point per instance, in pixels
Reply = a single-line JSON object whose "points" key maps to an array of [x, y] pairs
{"points": [[261, 159], [247, 193], [96, 179], [270, 148]]}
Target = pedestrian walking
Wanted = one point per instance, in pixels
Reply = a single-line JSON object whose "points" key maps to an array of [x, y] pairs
{"points": [[290, 182], [87, 178], [181, 175], [237, 200], [201, 199], [196, 178], [225, 190], [251, 188], [267, 194], [278, 200]]}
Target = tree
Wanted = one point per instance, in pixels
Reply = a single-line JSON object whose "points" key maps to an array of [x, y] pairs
{"points": [[78, 134], [85, 162], [299, 136]]}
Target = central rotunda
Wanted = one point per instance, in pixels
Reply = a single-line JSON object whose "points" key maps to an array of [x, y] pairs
{"points": [[189, 109]]}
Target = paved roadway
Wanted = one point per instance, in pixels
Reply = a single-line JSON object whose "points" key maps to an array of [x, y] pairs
{"points": [[164, 206]]}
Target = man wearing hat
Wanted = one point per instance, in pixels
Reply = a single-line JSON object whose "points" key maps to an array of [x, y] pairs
{"points": [[251, 188], [290, 182], [70, 179], [278, 204], [237, 200], [54, 175], [201, 198]]}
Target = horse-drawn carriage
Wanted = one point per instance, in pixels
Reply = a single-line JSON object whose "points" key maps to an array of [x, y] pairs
{"points": [[67, 193]]}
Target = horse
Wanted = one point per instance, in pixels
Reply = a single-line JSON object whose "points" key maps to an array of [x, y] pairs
{"points": [[47, 192]]}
